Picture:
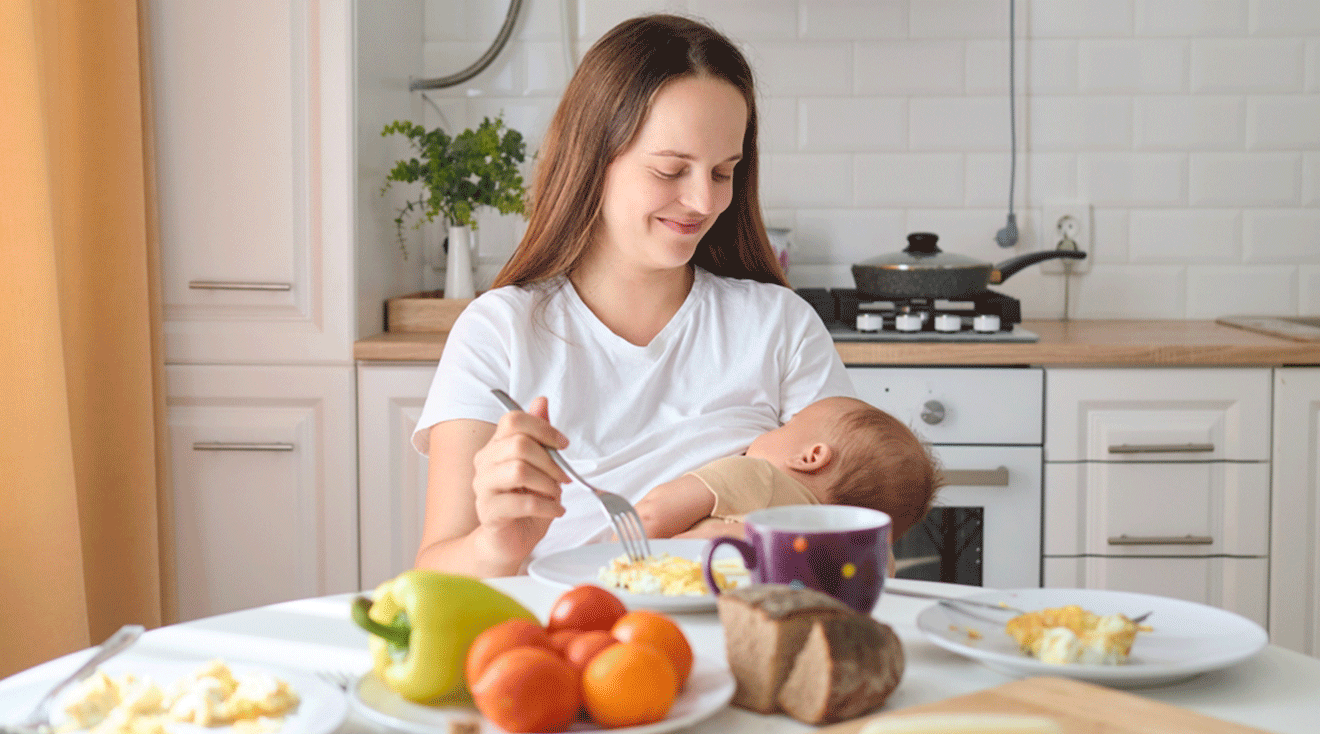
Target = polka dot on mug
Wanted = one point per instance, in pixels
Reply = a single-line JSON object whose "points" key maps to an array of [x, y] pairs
{"points": [[849, 570], [800, 544], [796, 584]]}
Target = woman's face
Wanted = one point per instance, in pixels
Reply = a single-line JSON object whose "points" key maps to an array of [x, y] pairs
{"points": [[663, 192]]}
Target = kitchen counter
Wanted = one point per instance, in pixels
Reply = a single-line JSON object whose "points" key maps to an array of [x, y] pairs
{"points": [[1128, 343]]}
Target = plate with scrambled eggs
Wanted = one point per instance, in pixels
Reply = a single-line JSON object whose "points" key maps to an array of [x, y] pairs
{"points": [[671, 580], [1087, 634], [150, 696]]}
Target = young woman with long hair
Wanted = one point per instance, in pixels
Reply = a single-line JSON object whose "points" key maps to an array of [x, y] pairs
{"points": [[644, 309]]}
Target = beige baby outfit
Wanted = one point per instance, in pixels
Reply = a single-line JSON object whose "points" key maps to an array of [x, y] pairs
{"points": [[742, 484]]}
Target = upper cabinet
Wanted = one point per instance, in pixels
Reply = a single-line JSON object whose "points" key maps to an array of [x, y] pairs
{"points": [[253, 111]]}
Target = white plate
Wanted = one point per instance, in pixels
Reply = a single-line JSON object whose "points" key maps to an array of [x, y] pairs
{"points": [[580, 565], [1186, 638], [321, 709], [708, 689]]}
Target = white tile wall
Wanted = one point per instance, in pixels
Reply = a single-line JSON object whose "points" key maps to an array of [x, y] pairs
{"points": [[1191, 126]]}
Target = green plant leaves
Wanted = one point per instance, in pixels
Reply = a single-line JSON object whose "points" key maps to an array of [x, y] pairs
{"points": [[458, 174]]}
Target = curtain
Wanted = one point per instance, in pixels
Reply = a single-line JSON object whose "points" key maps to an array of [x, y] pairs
{"points": [[84, 531]]}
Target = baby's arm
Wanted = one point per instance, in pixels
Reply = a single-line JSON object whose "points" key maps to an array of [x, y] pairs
{"points": [[714, 527], [675, 506]]}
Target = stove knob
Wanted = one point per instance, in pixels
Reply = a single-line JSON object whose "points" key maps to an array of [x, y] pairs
{"points": [[986, 322], [907, 322], [948, 322], [867, 321], [932, 412]]}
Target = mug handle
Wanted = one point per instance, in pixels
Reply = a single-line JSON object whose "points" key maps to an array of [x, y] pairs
{"points": [[744, 548]]}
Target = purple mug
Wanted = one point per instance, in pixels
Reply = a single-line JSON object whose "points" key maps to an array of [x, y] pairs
{"points": [[840, 550]]}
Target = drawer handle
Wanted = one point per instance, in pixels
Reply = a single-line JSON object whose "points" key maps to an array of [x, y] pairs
{"points": [[241, 446], [1161, 448], [1126, 539], [997, 477], [233, 285]]}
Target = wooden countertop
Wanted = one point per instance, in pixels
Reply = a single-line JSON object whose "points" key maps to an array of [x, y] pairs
{"points": [[1085, 342]]}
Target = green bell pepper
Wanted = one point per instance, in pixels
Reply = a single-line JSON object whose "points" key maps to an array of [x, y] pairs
{"points": [[422, 624]]}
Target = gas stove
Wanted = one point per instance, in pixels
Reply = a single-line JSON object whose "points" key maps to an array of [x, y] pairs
{"points": [[986, 317]]}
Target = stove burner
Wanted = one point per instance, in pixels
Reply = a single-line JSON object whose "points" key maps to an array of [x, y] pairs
{"points": [[849, 315]]}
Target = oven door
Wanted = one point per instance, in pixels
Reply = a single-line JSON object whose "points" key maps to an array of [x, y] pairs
{"points": [[985, 526]]}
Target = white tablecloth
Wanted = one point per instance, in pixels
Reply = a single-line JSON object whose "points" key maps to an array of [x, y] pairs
{"points": [[1277, 690]]}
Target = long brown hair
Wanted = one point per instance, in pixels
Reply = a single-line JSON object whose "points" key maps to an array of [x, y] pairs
{"points": [[602, 110]]}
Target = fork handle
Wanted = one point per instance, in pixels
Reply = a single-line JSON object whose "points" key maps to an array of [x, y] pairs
{"points": [[115, 644], [512, 404]]}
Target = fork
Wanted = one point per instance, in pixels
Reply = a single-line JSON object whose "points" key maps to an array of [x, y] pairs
{"points": [[627, 525], [340, 678], [39, 720]]}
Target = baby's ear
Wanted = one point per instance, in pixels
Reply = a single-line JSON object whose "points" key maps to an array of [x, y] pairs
{"points": [[813, 458]]}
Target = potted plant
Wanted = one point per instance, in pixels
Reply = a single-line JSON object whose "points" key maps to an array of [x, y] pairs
{"points": [[458, 174]]}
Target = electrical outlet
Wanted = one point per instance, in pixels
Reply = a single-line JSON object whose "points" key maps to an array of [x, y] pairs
{"points": [[1067, 227]]}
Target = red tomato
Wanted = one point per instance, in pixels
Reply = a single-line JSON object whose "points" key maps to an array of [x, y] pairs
{"points": [[585, 607]]}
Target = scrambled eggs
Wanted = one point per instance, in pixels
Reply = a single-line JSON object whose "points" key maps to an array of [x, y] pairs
{"points": [[211, 696], [665, 574], [1071, 634]]}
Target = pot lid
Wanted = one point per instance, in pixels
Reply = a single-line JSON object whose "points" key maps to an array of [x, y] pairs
{"points": [[921, 254]]}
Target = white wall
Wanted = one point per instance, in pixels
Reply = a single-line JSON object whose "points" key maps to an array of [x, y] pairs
{"points": [[1191, 126]]}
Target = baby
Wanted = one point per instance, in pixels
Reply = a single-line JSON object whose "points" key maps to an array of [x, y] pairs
{"points": [[837, 451]]}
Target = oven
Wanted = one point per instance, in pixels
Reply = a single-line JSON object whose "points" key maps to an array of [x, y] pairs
{"points": [[985, 427]]}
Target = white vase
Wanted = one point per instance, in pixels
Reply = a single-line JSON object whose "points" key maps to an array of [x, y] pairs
{"points": [[458, 268]]}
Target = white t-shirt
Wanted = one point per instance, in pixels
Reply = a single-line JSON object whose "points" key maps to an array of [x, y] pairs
{"points": [[737, 359]]}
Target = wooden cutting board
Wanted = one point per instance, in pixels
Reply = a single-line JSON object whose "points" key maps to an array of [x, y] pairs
{"points": [[1076, 706]]}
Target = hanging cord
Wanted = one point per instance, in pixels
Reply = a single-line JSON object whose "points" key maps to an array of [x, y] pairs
{"points": [[480, 65], [1008, 236]]}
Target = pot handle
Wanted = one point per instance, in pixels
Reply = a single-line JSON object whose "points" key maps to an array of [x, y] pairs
{"points": [[1014, 264]]}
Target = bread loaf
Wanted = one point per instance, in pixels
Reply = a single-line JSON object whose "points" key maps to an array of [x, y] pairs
{"points": [[765, 626], [848, 667]]}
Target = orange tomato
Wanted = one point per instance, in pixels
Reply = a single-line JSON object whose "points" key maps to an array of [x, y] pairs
{"points": [[629, 684], [585, 607], [499, 639], [560, 639], [586, 645], [660, 632], [529, 689]]}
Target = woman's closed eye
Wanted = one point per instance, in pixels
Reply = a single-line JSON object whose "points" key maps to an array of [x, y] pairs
{"points": [[715, 175]]}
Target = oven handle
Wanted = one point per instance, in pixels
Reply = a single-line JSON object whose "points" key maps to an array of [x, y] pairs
{"points": [[997, 477], [1161, 448]]}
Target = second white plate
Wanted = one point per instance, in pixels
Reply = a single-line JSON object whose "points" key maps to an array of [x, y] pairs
{"points": [[580, 565], [708, 689], [1186, 638]]}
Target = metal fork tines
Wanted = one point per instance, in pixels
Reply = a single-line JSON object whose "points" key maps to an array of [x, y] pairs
{"points": [[622, 515]]}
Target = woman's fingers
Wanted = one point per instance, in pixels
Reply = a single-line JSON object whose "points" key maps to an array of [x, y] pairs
{"points": [[515, 477]]}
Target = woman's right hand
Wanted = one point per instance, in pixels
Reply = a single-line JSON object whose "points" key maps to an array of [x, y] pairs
{"points": [[516, 484]]}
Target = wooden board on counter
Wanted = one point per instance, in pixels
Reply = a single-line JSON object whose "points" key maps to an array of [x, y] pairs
{"points": [[424, 312], [1076, 706]]}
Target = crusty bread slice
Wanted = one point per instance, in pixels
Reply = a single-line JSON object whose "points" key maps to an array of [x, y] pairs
{"points": [[847, 667], [765, 626]]}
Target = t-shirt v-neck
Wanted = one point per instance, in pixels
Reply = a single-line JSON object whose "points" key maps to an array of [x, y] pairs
{"points": [[621, 346]]}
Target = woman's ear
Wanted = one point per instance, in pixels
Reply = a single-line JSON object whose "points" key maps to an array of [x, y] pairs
{"points": [[812, 459]]}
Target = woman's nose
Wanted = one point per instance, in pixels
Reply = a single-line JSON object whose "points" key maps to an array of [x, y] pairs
{"points": [[699, 195]]}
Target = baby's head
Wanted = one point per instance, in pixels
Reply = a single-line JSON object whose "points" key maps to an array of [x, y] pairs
{"points": [[870, 459]]}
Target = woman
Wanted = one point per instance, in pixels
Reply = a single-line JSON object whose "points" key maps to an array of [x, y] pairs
{"points": [[644, 302]]}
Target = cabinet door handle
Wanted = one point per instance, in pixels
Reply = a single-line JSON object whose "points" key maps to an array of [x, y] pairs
{"points": [[234, 285], [241, 446], [1161, 448], [997, 477], [1126, 539]]}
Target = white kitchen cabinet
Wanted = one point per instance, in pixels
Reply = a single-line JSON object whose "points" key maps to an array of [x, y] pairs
{"points": [[1236, 584], [253, 117], [392, 483], [264, 485], [1158, 480], [1295, 541]]}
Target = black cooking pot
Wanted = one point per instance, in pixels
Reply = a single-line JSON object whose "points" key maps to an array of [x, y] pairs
{"points": [[923, 270]]}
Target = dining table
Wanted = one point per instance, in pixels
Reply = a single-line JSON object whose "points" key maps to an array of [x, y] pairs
{"points": [[1275, 690]]}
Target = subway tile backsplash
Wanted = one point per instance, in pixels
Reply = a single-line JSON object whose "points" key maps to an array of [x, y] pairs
{"points": [[1191, 126]]}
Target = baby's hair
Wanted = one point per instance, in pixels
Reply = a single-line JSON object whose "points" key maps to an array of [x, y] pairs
{"points": [[883, 465]]}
